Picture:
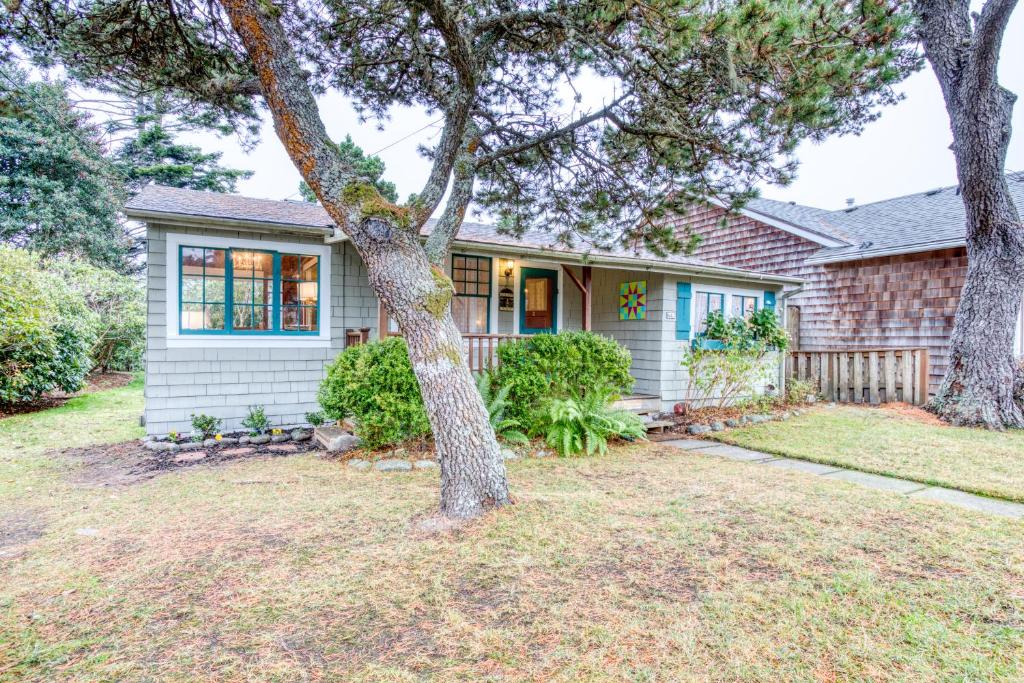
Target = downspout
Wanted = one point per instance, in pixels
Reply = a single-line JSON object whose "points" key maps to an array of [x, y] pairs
{"points": [[784, 296]]}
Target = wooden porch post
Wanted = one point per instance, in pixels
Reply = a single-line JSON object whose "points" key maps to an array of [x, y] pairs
{"points": [[585, 292]]}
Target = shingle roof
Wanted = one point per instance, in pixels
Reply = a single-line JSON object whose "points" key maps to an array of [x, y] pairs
{"points": [[155, 202], [915, 222]]}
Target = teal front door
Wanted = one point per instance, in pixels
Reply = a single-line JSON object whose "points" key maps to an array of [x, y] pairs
{"points": [[538, 301]]}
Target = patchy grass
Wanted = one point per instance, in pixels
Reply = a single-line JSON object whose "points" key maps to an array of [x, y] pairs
{"points": [[899, 443], [102, 417]]}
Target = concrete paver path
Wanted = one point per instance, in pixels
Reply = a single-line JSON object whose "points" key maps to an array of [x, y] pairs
{"points": [[913, 489]]}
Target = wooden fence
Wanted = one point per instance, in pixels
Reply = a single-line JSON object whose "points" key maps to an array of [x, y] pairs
{"points": [[864, 375]]}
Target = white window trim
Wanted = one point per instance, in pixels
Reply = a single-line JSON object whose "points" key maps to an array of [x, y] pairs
{"points": [[697, 287], [175, 339]]}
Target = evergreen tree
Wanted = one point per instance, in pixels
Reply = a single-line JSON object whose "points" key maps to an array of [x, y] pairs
{"points": [[370, 169]]}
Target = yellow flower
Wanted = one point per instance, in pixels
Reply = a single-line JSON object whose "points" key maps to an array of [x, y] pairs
{"points": [[218, 437], [277, 432]]}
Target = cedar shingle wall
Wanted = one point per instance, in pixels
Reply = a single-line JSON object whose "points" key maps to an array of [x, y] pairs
{"points": [[895, 301]]}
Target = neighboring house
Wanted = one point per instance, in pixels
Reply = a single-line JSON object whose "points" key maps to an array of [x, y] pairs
{"points": [[249, 299], [881, 275]]}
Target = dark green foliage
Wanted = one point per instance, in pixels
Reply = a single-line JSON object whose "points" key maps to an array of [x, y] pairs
{"points": [[205, 426], [371, 169], [316, 418], [256, 421], [153, 156], [58, 194], [496, 403], [560, 365], [374, 383], [762, 329], [575, 425], [46, 330]]}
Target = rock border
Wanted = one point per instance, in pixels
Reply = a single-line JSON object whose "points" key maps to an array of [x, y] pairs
{"points": [[733, 423]]}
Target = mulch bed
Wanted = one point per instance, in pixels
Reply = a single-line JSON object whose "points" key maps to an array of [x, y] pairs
{"points": [[129, 462], [93, 383]]}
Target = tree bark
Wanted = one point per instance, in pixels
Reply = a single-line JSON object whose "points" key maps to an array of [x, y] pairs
{"points": [[982, 384], [414, 291]]}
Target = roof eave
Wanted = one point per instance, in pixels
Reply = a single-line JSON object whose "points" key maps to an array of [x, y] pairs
{"points": [[894, 251], [786, 226], [215, 222]]}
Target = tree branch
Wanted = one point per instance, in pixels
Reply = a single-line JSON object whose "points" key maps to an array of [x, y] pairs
{"points": [[988, 38], [448, 225]]}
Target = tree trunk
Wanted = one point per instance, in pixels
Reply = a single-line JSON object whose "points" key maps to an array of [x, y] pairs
{"points": [[982, 385], [418, 296]]}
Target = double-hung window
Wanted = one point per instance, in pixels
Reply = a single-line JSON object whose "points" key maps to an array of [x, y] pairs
{"points": [[248, 291], [472, 303], [743, 306], [706, 303]]}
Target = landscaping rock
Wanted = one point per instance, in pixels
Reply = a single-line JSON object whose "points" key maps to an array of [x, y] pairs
{"points": [[343, 443], [261, 439], [280, 438], [242, 440], [300, 435], [238, 451], [190, 446], [509, 454], [161, 446], [393, 465], [757, 419], [732, 422], [228, 441], [698, 429], [541, 453], [358, 464], [209, 443], [424, 465], [190, 457], [717, 427]]}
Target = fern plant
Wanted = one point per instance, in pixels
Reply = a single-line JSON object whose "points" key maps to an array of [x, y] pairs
{"points": [[496, 402], [583, 424]]}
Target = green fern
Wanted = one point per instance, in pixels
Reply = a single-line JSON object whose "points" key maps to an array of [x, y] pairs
{"points": [[583, 424], [506, 428]]}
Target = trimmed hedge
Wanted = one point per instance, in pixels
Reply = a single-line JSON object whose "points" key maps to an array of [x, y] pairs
{"points": [[567, 364], [374, 383]]}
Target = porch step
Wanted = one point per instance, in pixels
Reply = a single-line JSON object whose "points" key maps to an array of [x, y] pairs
{"points": [[641, 404], [658, 426]]}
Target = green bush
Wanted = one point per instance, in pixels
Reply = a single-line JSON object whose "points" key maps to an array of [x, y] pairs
{"points": [[374, 383], [583, 424], [46, 330], [256, 421], [559, 366], [205, 426]]}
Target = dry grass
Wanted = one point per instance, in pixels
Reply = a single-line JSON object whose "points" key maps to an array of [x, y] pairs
{"points": [[901, 441], [646, 565]]}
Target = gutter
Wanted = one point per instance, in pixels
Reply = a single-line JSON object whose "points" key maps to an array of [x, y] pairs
{"points": [[206, 221], [892, 251]]}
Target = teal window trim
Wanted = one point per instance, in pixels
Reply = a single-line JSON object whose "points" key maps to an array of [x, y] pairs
{"points": [[490, 281], [229, 286]]}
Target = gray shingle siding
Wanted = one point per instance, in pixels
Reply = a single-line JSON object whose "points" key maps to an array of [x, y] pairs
{"points": [[224, 382]]}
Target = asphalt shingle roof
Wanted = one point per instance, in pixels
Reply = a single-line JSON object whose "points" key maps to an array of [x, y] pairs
{"points": [[902, 224]]}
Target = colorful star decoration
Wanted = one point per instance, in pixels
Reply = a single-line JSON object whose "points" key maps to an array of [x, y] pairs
{"points": [[633, 300]]}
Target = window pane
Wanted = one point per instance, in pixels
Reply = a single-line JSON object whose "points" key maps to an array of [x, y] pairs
{"points": [[215, 260], [191, 261], [470, 313], [261, 318], [289, 293], [308, 293], [290, 318], [262, 291], [214, 289], [192, 289], [252, 264], [192, 317], [309, 318], [469, 288], [483, 277], [241, 291], [241, 318], [310, 267], [460, 262], [215, 316], [290, 267], [536, 294]]}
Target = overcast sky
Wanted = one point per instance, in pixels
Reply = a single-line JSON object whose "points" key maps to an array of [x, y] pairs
{"points": [[905, 151]]}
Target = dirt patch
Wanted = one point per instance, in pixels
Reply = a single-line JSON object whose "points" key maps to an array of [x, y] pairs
{"points": [[18, 530], [93, 383], [915, 413], [127, 463]]}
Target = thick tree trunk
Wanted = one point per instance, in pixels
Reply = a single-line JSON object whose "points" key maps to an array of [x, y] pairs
{"points": [[419, 297], [982, 386]]}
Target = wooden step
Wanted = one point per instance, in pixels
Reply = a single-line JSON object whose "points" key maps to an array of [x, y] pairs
{"points": [[638, 402], [658, 426]]}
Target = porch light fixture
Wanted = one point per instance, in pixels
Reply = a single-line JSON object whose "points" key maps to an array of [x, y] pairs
{"points": [[508, 267]]}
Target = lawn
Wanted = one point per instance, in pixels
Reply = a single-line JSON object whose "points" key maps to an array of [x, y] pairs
{"points": [[896, 442], [650, 564]]}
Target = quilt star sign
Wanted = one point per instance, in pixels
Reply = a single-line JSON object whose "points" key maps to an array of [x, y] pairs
{"points": [[633, 300]]}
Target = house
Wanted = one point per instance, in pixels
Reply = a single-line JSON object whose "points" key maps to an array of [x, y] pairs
{"points": [[249, 299], [881, 275]]}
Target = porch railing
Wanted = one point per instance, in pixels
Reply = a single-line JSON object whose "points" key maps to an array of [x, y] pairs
{"points": [[864, 375], [482, 349]]}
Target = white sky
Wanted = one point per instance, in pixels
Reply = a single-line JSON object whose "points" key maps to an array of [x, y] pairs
{"points": [[905, 151]]}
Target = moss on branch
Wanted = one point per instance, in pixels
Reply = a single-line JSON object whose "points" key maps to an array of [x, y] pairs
{"points": [[371, 204]]}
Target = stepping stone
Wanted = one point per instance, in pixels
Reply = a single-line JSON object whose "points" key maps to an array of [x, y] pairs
{"points": [[736, 453], [392, 465], [1003, 508], [876, 481], [191, 456], [283, 448], [424, 465], [802, 466], [689, 444], [238, 451], [358, 464]]}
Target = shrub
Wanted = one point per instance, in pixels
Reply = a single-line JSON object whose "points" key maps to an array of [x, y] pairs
{"points": [[256, 421], [496, 403], [560, 365], [46, 330], [205, 426], [374, 383], [583, 424], [797, 390], [316, 418]]}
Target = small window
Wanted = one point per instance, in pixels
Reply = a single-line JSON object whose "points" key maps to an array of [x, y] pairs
{"points": [[203, 292], [472, 303], [743, 306], [706, 303], [300, 292]]}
